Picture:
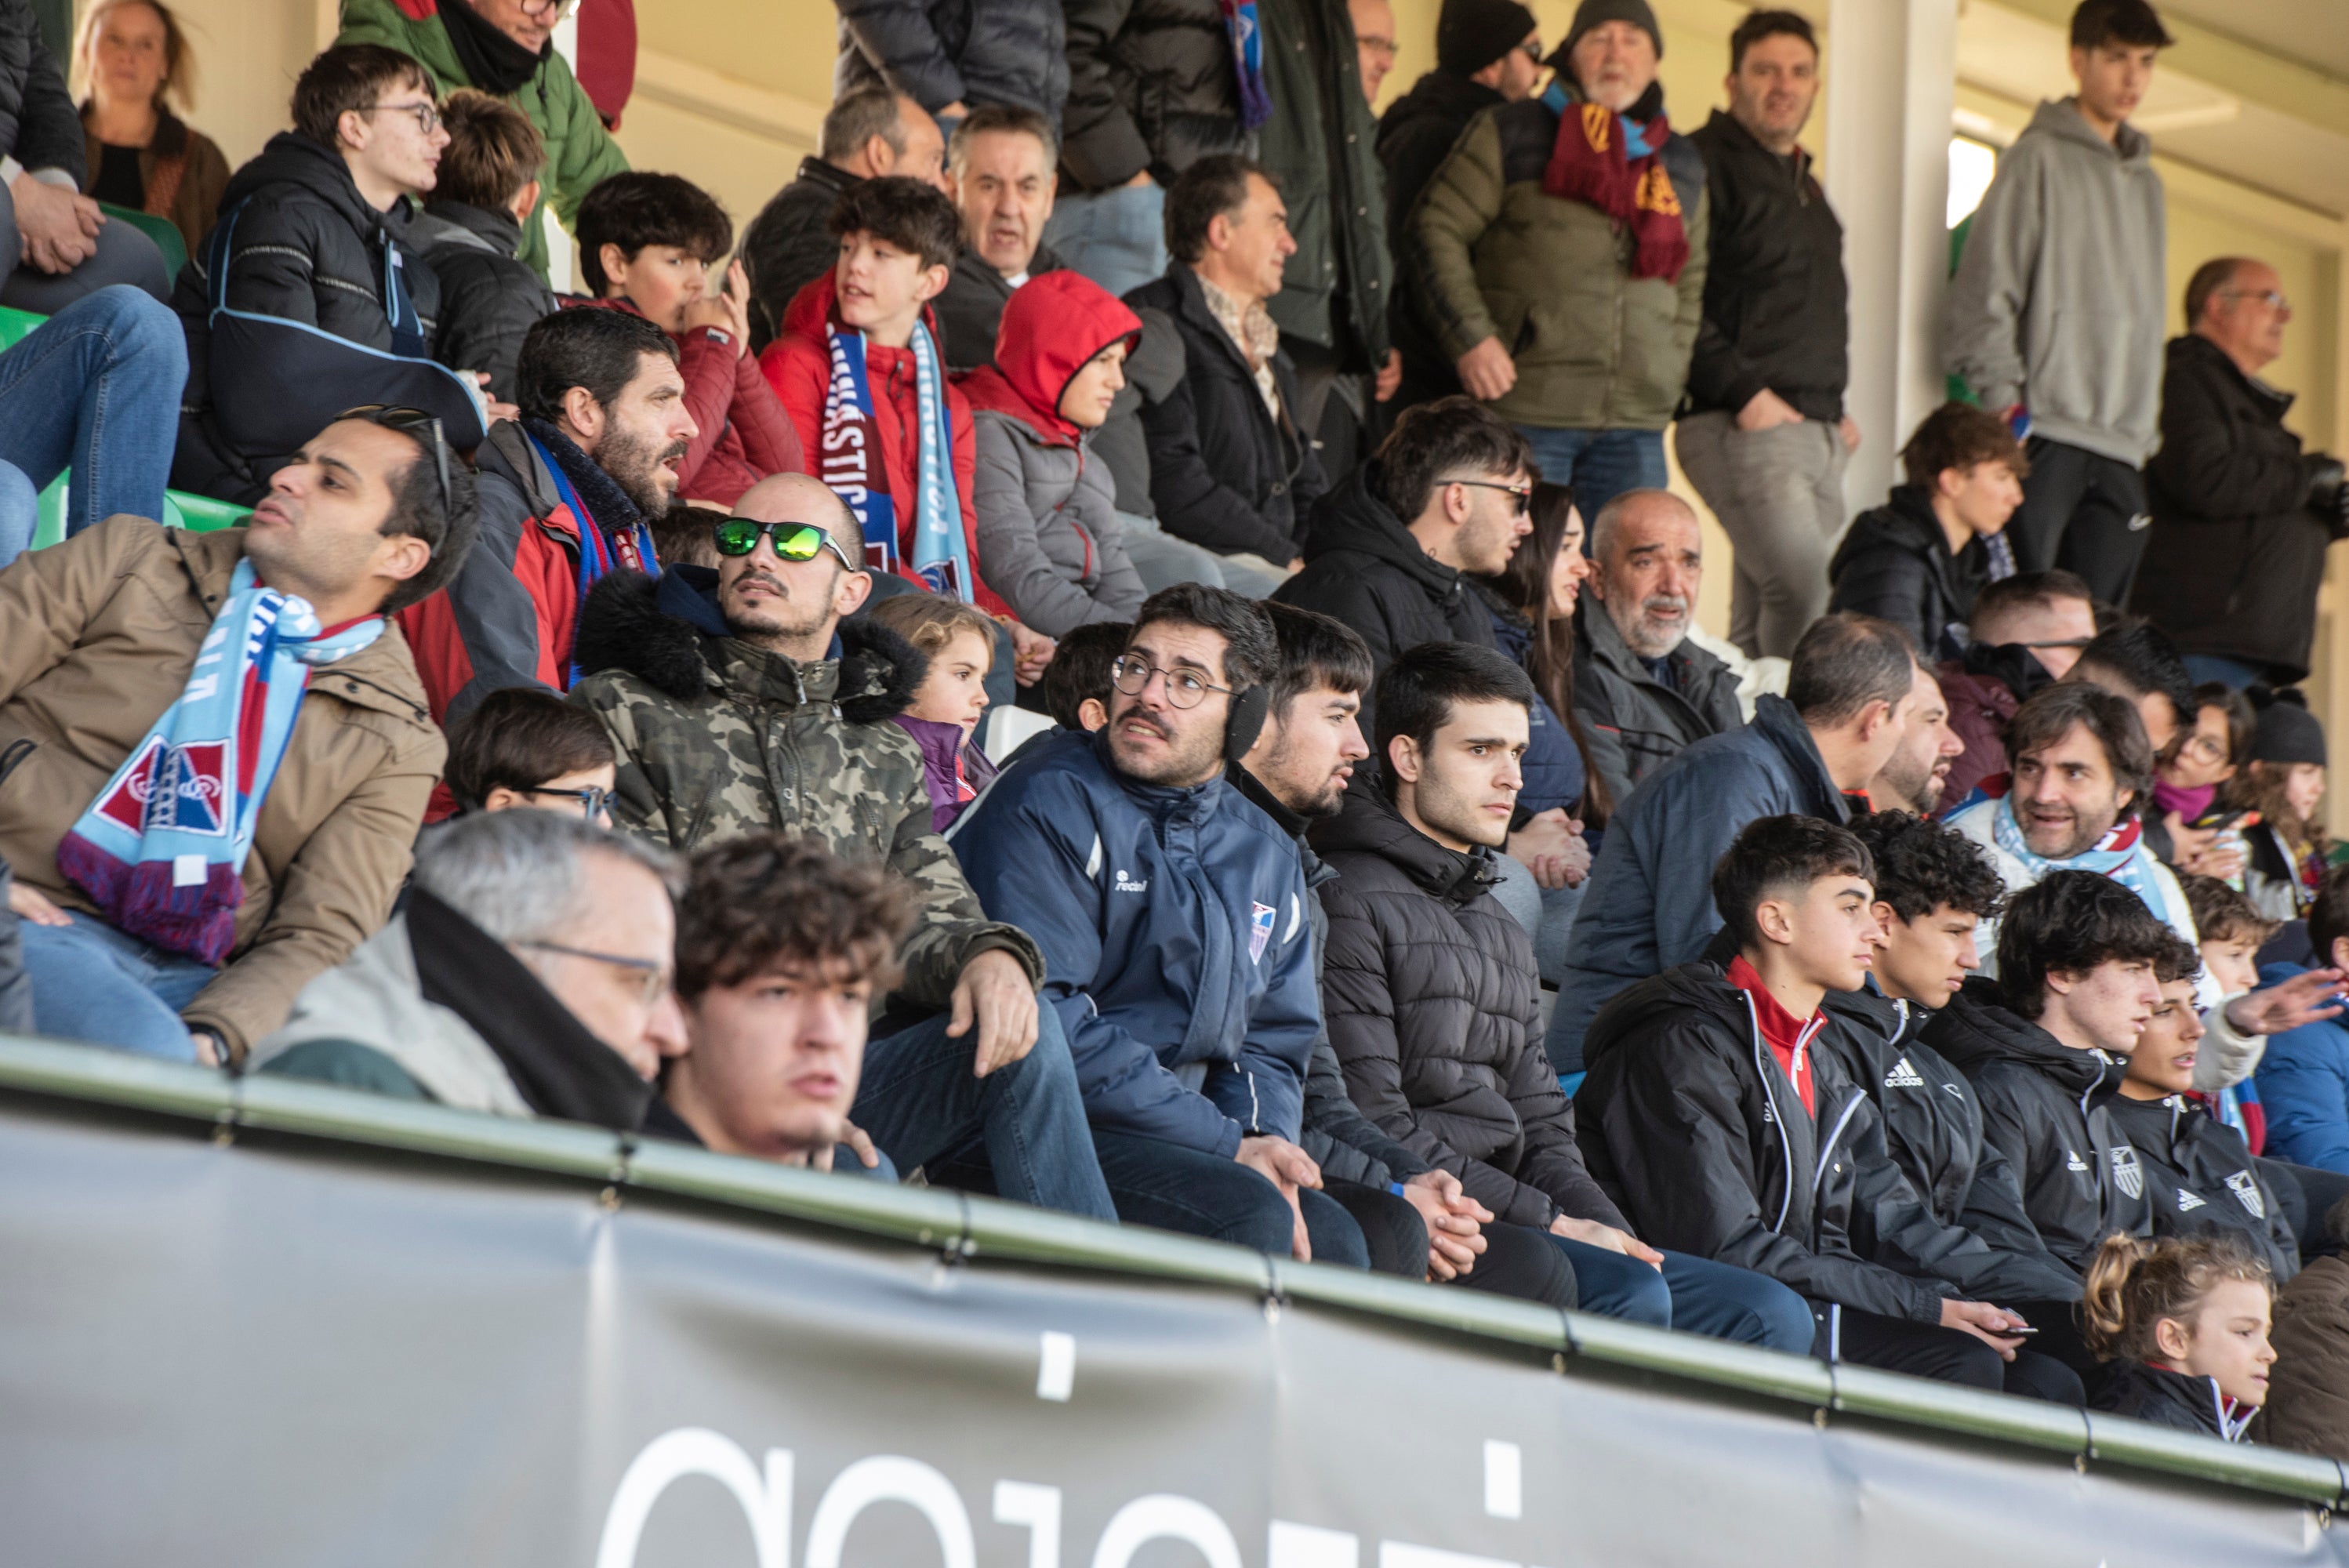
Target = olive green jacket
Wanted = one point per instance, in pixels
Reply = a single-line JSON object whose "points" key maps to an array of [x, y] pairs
{"points": [[580, 153], [1490, 256]]}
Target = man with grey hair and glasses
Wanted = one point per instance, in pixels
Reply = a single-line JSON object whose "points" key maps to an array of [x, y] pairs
{"points": [[530, 974]]}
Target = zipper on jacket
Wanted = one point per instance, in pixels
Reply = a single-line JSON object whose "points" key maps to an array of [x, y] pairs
{"points": [[1762, 1063], [1819, 1174]]}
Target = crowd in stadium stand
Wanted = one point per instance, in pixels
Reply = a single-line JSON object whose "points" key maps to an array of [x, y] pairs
{"points": [[1126, 647]]}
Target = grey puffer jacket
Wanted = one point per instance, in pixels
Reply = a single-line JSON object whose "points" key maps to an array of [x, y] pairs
{"points": [[1047, 528], [971, 52]]}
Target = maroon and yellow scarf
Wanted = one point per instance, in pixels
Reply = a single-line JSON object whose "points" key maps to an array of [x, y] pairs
{"points": [[1617, 165]]}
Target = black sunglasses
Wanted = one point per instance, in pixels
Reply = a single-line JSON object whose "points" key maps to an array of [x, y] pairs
{"points": [[415, 423], [792, 540], [593, 800]]}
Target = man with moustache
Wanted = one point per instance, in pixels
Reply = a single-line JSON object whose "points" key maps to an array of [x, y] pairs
{"points": [[1642, 690], [1172, 916], [567, 493], [752, 698]]}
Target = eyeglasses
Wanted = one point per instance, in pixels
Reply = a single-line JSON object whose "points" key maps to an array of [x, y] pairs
{"points": [[656, 974], [1184, 688], [1532, 51], [1522, 495], [418, 426], [547, 10], [1377, 46], [428, 115], [2207, 749], [593, 799], [2273, 299], [792, 540]]}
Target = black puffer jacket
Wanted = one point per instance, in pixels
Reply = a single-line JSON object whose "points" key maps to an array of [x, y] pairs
{"points": [[1150, 85], [1363, 567], [1775, 296], [1933, 1131], [2237, 552], [788, 245], [1634, 722], [489, 297], [1223, 471], [1688, 1120], [306, 247], [2046, 1109], [1417, 130], [40, 127], [1428, 988], [2199, 1176], [1895, 562], [971, 52]]}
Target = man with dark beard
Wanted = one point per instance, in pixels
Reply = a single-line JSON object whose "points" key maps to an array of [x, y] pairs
{"points": [[1913, 780], [567, 493]]}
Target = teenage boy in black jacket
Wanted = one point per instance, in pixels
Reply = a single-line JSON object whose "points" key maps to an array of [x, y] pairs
{"points": [[470, 235], [1725, 1133]]}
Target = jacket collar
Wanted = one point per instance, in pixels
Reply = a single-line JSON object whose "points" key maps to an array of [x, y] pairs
{"points": [[1606, 645], [1775, 718], [830, 176], [1978, 1026], [2193, 346], [609, 505], [496, 230], [1728, 126], [1164, 803], [1253, 791], [1355, 516], [1370, 824]]}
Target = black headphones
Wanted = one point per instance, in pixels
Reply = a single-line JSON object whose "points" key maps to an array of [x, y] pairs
{"points": [[1250, 706]]}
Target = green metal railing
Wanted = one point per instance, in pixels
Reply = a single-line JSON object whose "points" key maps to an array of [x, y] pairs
{"points": [[984, 1228]]}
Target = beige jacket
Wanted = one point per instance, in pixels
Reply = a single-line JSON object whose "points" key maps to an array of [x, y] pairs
{"points": [[96, 637]]}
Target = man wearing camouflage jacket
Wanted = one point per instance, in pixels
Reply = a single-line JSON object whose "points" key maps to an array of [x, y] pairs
{"points": [[747, 699]]}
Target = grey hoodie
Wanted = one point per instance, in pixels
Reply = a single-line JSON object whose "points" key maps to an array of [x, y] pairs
{"points": [[2058, 301]]}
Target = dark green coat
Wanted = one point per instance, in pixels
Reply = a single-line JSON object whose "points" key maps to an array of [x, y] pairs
{"points": [[1320, 147]]}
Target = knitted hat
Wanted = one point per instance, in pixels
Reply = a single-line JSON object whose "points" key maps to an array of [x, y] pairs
{"points": [[2288, 732], [1472, 33], [1598, 12]]}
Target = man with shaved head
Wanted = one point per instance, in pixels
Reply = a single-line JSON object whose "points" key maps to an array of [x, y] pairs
{"points": [[753, 698], [1641, 689]]}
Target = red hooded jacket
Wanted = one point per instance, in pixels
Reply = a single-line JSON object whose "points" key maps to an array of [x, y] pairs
{"points": [[1051, 328], [798, 366], [745, 436]]}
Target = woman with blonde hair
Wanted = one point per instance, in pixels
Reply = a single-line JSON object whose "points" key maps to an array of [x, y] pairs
{"points": [[131, 57]]}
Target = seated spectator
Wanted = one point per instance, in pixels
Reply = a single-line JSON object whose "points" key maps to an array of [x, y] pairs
{"points": [[507, 49], [1850, 698], [957, 61], [55, 246], [1774, 1159], [682, 536], [1913, 560], [470, 236], [2232, 931], [2081, 963], [116, 353], [999, 171], [782, 947], [524, 748], [1076, 689], [866, 135], [2308, 1391], [741, 702], [300, 864], [1644, 691], [1048, 525], [530, 975], [1914, 775], [859, 371], [1932, 887], [2303, 1075], [1391, 550], [2184, 1323], [1417, 1218], [2137, 660], [2200, 1175], [1179, 962], [2186, 827], [133, 58], [1230, 467], [2028, 631], [1154, 368], [943, 712], [646, 244], [2284, 782], [316, 231], [1433, 999], [568, 492]]}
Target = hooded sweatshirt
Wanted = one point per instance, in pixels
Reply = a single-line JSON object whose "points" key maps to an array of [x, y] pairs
{"points": [[2058, 300], [1048, 526]]}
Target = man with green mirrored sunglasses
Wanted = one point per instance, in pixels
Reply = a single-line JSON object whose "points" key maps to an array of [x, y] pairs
{"points": [[790, 541]]}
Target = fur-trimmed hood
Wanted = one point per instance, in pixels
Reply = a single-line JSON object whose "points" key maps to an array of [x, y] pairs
{"points": [[668, 632]]}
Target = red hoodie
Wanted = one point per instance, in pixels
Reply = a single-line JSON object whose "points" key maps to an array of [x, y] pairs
{"points": [[798, 366], [745, 436]]}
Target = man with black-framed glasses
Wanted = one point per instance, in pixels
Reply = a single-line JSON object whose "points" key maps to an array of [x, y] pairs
{"points": [[753, 698], [1392, 548]]}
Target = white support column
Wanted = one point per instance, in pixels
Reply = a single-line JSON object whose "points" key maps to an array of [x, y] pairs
{"points": [[1891, 86], [559, 270]]}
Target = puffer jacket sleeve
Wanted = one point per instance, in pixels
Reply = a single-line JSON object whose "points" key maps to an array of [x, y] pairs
{"points": [[1118, 592], [1011, 555], [1100, 143], [485, 313], [896, 37], [583, 153], [1889, 583], [705, 357], [1460, 202], [273, 261], [49, 127], [1346, 1144]]}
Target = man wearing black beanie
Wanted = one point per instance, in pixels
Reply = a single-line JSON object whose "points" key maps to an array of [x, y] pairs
{"points": [[1487, 53]]}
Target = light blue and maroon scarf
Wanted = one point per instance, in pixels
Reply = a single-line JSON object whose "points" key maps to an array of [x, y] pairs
{"points": [[852, 465], [162, 850]]}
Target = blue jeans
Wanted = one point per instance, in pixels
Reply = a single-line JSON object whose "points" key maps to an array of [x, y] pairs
{"points": [[1692, 1294], [1600, 464], [1172, 1186], [95, 984], [97, 389], [2232, 674], [1117, 238], [20, 513], [919, 1100]]}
